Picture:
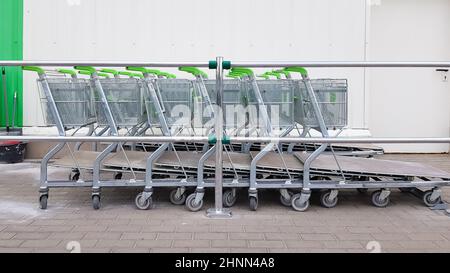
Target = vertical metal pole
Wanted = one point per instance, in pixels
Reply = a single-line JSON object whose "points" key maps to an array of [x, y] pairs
{"points": [[218, 211]]}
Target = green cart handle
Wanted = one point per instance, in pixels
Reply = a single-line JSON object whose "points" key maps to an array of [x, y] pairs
{"points": [[284, 72], [155, 72], [136, 69], [100, 74], [237, 75], [89, 69], [126, 73], [297, 69], [194, 71], [70, 72], [36, 69], [109, 71], [232, 76], [130, 74], [264, 76], [243, 70], [167, 75], [137, 75], [144, 70], [274, 74]]}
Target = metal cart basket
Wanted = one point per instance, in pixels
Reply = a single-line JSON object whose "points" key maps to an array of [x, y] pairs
{"points": [[124, 97], [73, 99], [331, 95]]}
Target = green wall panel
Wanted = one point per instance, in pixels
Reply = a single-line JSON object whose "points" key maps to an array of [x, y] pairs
{"points": [[11, 48]]}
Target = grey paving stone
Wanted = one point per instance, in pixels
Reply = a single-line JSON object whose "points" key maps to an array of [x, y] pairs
{"points": [[138, 236], [6, 235], [106, 243], [317, 237], [212, 236], [154, 243], [192, 243], [267, 244], [344, 244], [208, 250], [228, 243], [169, 250], [40, 243], [175, 236], [246, 236], [10, 243]]}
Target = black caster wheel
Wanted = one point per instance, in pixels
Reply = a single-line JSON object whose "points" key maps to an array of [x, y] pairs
{"points": [[74, 176], [96, 201], [296, 205], [118, 176], [43, 201], [286, 202], [362, 190], [325, 200], [253, 203], [228, 199], [141, 203], [191, 205], [377, 202], [426, 199], [177, 200]]}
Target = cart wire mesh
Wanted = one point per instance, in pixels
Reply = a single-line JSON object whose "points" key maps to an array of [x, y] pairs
{"points": [[331, 95], [125, 99], [73, 99]]}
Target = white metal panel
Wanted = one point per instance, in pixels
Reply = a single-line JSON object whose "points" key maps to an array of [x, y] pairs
{"points": [[410, 102], [197, 30]]}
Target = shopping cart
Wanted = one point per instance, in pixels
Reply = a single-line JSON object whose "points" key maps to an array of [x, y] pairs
{"points": [[163, 96], [67, 104]]}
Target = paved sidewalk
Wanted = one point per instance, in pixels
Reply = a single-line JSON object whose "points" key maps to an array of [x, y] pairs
{"points": [[405, 226]]}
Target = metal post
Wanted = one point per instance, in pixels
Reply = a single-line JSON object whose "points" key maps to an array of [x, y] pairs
{"points": [[218, 211]]}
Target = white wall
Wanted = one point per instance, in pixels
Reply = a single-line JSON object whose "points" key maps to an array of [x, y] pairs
{"points": [[198, 30], [410, 102]]}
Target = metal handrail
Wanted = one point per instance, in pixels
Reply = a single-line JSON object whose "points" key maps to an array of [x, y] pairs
{"points": [[378, 64]]}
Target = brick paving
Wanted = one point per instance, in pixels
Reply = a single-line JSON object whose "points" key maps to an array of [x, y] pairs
{"points": [[405, 226]]}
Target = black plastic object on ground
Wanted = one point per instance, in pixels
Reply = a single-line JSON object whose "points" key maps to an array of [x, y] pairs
{"points": [[12, 151]]}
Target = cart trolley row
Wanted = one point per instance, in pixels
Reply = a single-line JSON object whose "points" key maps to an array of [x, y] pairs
{"points": [[143, 101]]}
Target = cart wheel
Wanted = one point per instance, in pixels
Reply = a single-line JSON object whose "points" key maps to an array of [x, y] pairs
{"points": [[191, 205], [296, 205], [43, 201], [286, 202], [228, 199], [141, 203], [253, 203], [96, 201], [118, 176], [326, 202], [177, 201], [362, 190], [376, 200], [426, 199]]}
